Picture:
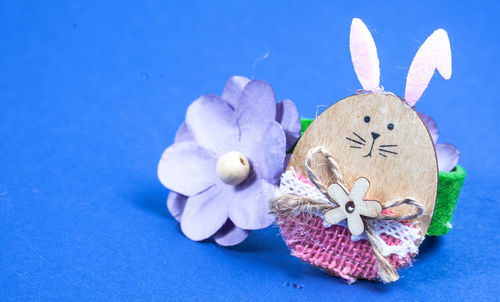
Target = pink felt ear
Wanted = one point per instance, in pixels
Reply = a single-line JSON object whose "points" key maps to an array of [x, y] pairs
{"points": [[434, 54], [364, 55]]}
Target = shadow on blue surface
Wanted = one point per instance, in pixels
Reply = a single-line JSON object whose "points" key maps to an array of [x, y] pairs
{"points": [[152, 201]]}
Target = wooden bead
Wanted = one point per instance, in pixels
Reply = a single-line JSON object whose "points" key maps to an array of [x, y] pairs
{"points": [[233, 168]]}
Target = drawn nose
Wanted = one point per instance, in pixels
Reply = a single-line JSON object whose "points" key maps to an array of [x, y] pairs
{"points": [[375, 135]]}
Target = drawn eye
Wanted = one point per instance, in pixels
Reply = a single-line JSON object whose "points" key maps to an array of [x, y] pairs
{"points": [[390, 126], [367, 119]]}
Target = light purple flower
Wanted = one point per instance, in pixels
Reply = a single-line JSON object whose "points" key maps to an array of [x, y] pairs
{"points": [[447, 154], [245, 119]]}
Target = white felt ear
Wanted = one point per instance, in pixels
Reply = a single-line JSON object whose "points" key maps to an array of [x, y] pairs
{"points": [[364, 55], [434, 54]]}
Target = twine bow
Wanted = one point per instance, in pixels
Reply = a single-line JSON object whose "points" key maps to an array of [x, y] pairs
{"points": [[345, 204]]}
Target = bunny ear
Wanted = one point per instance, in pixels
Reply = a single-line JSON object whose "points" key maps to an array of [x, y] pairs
{"points": [[364, 55], [434, 54]]}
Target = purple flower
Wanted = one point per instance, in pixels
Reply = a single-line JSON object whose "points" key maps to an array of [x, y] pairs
{"points": [[245, 119], [447, 154]]}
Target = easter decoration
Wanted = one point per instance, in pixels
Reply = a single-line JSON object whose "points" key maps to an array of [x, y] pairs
{"points": [[354, 191], [360, 189]]}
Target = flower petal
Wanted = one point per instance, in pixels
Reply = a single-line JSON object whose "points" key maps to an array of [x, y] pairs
{"points": [[230, 234], [431, 126], [187, 168], [212, 122], [205, 213], [267, 153], [233, 88], [250, 208], [355, 224], [447, 156], [335, 216], [175, 204], [359, 189], [256, 109], [288, 116], [369, 208], [184, 134], [338, 194], [274, 152]]}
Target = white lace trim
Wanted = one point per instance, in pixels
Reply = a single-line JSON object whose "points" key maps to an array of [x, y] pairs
{"points": [[409, 236], [291, 185]]}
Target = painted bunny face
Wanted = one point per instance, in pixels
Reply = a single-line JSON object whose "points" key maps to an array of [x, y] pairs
{"points": [[377, 132]]}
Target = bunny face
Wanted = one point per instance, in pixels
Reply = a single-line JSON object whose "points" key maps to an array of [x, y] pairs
{"points": [[379, 137], [377, 132]]}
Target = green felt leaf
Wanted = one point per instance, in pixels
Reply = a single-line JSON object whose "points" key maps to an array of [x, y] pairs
{"points": [[305, 124], [450, 184]]}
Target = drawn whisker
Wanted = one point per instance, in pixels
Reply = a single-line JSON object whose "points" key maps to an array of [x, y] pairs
{"points": [[354, 141], [359, 137], [385, 146], [382, 150], [382, 154], [357, 147]]}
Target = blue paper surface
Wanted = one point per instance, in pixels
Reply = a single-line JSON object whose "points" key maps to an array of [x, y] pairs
{"points": [[92, 92]]}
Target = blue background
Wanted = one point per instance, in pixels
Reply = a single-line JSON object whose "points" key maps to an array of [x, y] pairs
{"points": [[91, 93]]}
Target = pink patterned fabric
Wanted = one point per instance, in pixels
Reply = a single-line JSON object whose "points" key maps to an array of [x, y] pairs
{"points": [[332, 250]]}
